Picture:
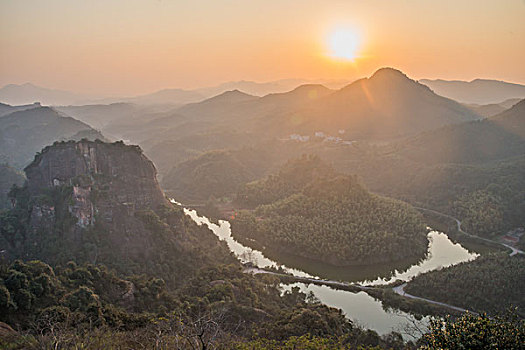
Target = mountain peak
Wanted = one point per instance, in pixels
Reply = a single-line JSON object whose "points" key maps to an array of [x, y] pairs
{"points": [[305, 91], [311, 87], [389, 72], [232, 96], [235, 92]]}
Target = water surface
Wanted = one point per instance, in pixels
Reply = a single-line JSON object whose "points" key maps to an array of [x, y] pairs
{"points": [[361, 308]]}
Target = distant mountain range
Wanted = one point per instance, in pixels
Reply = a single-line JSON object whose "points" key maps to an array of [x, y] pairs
{"points": [[386, 105], [6, 109], [28, 93], [491, 109], [181, 96], [498, 137], [25, 132], [478, 91], [278, 86]]}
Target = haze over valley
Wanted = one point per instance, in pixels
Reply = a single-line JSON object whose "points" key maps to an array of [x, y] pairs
{"points": [[323, 175]]}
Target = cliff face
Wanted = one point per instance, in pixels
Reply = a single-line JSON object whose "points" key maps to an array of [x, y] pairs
{"points": [[103, 182], [95, 202]]}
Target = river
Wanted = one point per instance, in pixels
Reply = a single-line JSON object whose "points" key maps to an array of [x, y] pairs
{"points": [[359, 307]]}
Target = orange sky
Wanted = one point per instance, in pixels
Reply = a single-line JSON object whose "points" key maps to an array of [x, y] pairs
{"points": [[138, 46]]}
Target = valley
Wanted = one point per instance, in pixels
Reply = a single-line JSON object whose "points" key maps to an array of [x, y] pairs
{"points": [[262, 175], [370, 226]]}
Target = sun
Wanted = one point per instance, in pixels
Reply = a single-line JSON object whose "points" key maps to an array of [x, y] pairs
{"points": [[343, 44]]}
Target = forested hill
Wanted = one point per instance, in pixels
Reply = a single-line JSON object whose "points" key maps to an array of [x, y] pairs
{"points": [[313, 212], [212, 174], [25, 132], [474, 170], [97, 202], [491, 283], [293, 176], [490, 139]]}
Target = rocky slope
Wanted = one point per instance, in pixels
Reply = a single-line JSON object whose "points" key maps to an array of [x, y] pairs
{"points": [[114, 180]]}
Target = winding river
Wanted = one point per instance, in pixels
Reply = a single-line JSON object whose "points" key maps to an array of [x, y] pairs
{"points": [[359, 307]]}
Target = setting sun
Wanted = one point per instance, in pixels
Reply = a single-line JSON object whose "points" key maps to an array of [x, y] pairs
{"points": [[262, 174], [343, 43]]}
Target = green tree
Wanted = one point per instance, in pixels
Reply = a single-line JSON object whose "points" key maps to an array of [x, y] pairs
{"points": [[476, 332]]}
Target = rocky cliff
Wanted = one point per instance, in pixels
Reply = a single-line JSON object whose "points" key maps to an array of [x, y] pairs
{"points": [[112, 180], [96, 202]]}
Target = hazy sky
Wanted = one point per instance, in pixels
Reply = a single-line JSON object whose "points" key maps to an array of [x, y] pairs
{"points": [[137, 46]]}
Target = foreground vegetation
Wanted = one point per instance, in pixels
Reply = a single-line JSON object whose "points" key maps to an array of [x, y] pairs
{"points": [[93, 307], [476, 332]]}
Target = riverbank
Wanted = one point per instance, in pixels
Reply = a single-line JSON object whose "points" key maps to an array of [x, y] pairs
{"points": [[390, 308], [454, 227], [392, 296]]}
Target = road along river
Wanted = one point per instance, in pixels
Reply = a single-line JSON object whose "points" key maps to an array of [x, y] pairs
{"points": [[359, 307]]}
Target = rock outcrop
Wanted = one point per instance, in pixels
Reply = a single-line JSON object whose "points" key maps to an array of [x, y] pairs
{"points": [[92, 182], [96, 202], [129, 175]]}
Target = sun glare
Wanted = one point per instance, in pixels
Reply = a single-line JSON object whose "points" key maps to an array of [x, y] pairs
{"points": [[343, 44]]}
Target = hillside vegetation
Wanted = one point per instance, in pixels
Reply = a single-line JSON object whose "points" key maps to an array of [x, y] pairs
{"points": [[213, 174], [491, 283], [9, 176], [44, 125], [311, 211]]}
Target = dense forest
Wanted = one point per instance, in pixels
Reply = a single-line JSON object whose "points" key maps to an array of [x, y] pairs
{"points": [[170, 240], [93, 307], [491, 283], [9, 176], [293, 176], [476, 332], [309, 210], [474, 170], [212, 174]]}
